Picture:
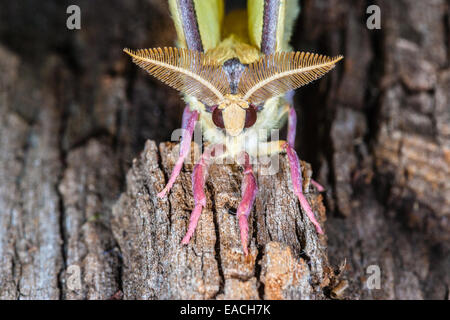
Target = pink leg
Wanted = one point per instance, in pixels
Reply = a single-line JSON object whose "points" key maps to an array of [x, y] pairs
{"points": [[249, 191], [187, 113], [199, 177], [189, 120], [296, 171], [193, 221], [292, 128], [319, 187], [296, 177]]}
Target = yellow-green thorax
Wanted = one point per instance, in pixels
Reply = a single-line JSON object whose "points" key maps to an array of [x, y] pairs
{"points": [[237, 35]]}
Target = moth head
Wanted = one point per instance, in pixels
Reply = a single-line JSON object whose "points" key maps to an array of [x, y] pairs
{"points": [[233, 109], [234, 114]]}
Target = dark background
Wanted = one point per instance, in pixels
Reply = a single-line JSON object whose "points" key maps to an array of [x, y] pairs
{"points": [[74, 112]]}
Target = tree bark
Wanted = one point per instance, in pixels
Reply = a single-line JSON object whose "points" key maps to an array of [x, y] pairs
{"points": [[287, 259], [383, 143], [74, 113]]}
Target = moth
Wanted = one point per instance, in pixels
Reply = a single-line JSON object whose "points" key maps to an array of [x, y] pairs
{"points": [[237, 74]]}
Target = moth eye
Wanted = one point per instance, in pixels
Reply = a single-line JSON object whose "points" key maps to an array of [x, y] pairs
{"points": [[250, 116], [217, 118]]}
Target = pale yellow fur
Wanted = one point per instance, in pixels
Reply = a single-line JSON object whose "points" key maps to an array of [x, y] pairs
{"points": [[237, 35], [272, 116]]}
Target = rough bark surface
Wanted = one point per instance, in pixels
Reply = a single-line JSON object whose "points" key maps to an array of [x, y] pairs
{"points": [[286, 257], [383, 143], [74, 113]]}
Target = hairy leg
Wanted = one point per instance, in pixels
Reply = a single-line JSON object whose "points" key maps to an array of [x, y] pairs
{"points": [[248, 191], [297, 184], [188, 124], [292, 126], [187, 113], [296, 175], [296, 171], [199, 177], [292, 130]]}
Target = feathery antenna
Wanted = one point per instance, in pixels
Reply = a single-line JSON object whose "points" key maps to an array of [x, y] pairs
{"points": [[278, 73], [190, 72]]}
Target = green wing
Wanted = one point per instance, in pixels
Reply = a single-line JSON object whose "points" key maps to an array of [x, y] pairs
{"points": [[198, 23], [270, 23]]}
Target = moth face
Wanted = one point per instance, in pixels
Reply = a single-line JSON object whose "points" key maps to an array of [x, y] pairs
{"points": [[234, 115], [231, 91]]}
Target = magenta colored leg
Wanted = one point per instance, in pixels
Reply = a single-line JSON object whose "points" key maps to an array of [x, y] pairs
{"points": [[292, 126], [199, 177], [185, 146], [187, 113], [296, 177], [319, 187], [249, 191], [292, 129], [195, 216]]}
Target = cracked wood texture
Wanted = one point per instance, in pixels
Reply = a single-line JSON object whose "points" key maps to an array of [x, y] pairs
{"points": [[286, 257], [74, 113]]}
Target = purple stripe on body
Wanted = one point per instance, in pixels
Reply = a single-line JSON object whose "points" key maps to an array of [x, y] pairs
{"points": [[270, 22], [190, 25]]}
